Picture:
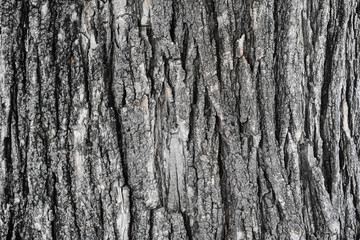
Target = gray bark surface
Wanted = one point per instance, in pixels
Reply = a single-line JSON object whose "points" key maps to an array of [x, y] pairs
{"points": [[179, 119]]}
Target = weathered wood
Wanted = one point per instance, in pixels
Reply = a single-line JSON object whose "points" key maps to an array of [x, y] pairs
{"points": [[174, 119]]}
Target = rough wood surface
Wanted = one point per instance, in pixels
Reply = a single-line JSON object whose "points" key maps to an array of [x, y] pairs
{"points": [[179, 119]]}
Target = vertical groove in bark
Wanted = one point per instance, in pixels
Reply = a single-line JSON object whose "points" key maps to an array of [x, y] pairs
{"points": [[324, 104], [119, 128], [223, 180]]}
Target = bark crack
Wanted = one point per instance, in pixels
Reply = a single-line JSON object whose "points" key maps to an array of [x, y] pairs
{"points": [[118, 117], [223, 179]]}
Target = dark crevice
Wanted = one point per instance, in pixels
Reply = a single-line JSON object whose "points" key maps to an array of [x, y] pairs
{"points": [[20, 72], [111, 99], [166, 190], [307, 120], [152, 61], [22, 37], [343, 157], [171, 231], [309, 78], [211, 11], [278, 90], [260, 104], [54, 204], [158, 154], [86, 81], [167, 75], [184, 47], [40, 92], [101, 217], [260, 202], [54, 52], [173, 21], [9, 235], [186, 220], [192, 118], [348, 87], [94, 28], [41, 134], [8, 189], [280, 212], [18, 235], [223, 179], [238, 100], [287, 155], [207, 110], [86, 71], [123, 99], [355, 192], [327, 171], [119, 128], [8, 193], [151, 224]]}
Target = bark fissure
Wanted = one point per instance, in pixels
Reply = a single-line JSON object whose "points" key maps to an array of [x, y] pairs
{"points": [[118, 120], [324, 109], [54, 208], [223, 180]]}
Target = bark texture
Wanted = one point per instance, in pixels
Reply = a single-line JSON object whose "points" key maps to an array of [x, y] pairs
{"points": [[179, 119]]}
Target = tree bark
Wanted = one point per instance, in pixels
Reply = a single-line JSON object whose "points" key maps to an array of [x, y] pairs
{"points": [[175, 119]]}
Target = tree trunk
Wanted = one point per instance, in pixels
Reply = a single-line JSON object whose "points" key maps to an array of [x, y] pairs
{"points": [[175, 119]]}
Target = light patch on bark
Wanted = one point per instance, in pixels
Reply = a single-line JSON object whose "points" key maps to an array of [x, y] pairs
{"points": [[61, 34], [294, 235], [145, 19], [254, 13], [45, 9], [119, 7], [345, 124], [74, 15], [86, 27], [175, 161], [123, 214], [79, 136], [240, 46], [240, 235], [169, 93], [144, 103], [120, 26], [37, 226], [223, 18]]}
